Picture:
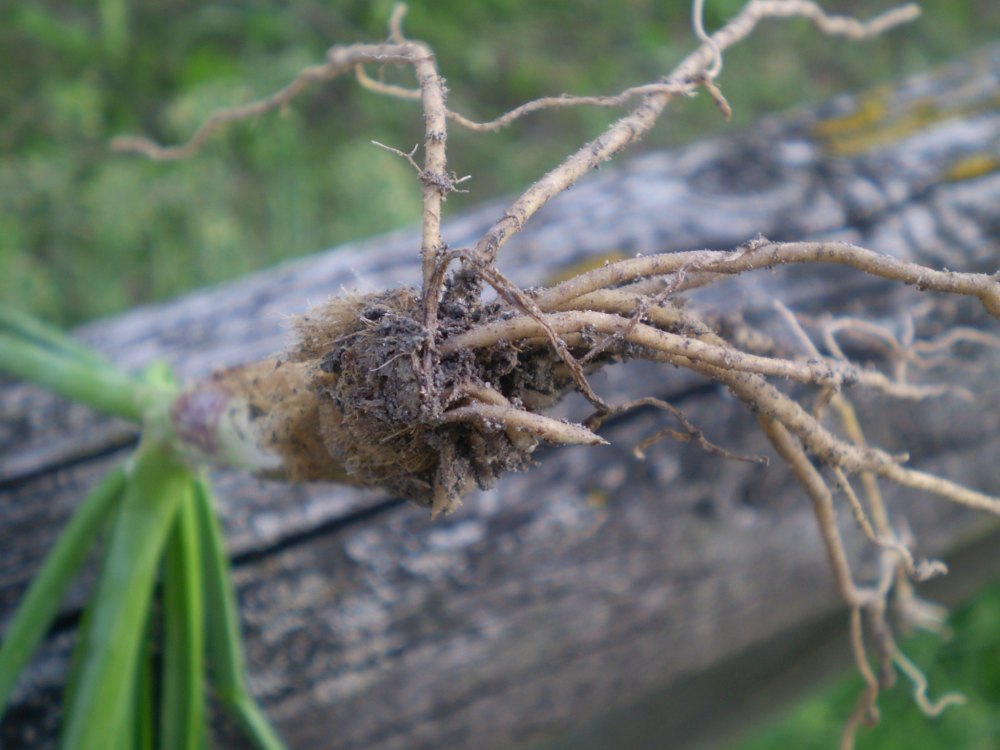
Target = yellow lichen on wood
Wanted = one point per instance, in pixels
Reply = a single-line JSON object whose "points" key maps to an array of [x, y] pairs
{"points": [[874, 123], [871, 110], [971, 167]]}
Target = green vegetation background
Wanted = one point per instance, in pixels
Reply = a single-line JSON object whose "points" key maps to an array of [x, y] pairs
{"points": [[84, 233]]}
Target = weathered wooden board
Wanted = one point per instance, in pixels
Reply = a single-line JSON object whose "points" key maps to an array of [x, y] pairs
{"points": [[596, 579]]}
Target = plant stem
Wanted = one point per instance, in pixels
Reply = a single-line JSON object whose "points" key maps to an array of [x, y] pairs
{"points": [[182, 713], [225, 644], [112, 642], [31, 330], [144, 712], [40, 603], [102, 388]]}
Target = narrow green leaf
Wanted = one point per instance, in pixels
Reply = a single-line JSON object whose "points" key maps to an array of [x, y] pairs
{"points": [[101, 387], [254, 721], [77, 659], [41, 602], [223, 640], [144, 716], [111, 645], [32, 330], [122, 739], [133, 735], [182, 712]]}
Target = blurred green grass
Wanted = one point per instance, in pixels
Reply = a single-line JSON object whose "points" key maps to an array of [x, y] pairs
{"points": [[84, 233], [968, 662]]}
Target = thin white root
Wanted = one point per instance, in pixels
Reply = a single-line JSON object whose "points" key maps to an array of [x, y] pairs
{"points": [[919, 680], [550, 429]]}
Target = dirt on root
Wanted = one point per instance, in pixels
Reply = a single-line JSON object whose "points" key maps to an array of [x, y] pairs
{"points": [[378, 409]]}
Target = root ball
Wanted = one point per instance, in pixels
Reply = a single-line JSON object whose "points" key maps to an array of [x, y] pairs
{"points": [[379, 412]]}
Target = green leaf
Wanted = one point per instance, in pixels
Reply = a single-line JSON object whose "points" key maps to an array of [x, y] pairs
{"points": [[101, 387], [111, 643], [182, 713], [136, 730], [143, 713], [32, 330], [41, 602], [224, 643]]}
